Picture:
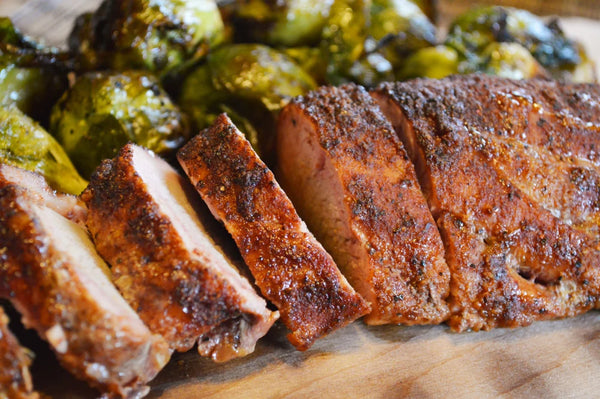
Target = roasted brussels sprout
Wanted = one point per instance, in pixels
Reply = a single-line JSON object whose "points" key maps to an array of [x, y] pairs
{"points": [[471, 33], [365, 41], [344, 36], [311, 60], [251, 82], [510, 60], [278, 23], [26, 144], [31, 77], [400, 28], [431, 62], [161, 36], [104, 111]]}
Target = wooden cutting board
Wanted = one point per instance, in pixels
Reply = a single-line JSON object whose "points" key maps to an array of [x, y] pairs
{"points": [[557, 359]]}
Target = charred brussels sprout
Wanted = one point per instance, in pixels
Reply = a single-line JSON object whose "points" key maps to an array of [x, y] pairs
{"points": [[25, 144], [251, 82], [278, 23], [104, 111], [157, 35], [472, 33], [31, 77]]}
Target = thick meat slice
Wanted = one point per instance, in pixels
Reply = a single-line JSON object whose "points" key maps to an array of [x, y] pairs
{"points": [[290, 267], [52, 274], [351, 180], [15, 380], [148, 223], [511, 174]]}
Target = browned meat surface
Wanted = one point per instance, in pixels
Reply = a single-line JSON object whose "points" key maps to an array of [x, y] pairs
{"points": [[53, 276], [15, 380], [67, 205], [148, 223], [351, 180], [511, 173], [290, 267]]}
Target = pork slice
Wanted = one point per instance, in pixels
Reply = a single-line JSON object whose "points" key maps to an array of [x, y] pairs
{"points": [[290, 267], [150, 225], [349, 176], [15, 379], [509, 171], [54, 277], [67, 205]]}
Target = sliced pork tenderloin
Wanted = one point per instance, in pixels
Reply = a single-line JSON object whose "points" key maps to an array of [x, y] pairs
{"points": [[351, 180], [54, 277], [150, 225], [290, 267], [511, 173]]}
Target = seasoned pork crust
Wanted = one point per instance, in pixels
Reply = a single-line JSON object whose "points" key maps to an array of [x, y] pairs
{"points": [[511, 173], [150, 225], [351, 180], [15, 380], [53, 276], [290, 267]]}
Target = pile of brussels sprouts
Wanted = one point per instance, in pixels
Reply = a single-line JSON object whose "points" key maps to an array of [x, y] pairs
{"points": [[154, 71]]}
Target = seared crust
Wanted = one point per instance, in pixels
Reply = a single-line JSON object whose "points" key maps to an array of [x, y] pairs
{"points": [[15, 380], [290, 267], [397, 260], [178, 291], [511, 174], [100, 340]]}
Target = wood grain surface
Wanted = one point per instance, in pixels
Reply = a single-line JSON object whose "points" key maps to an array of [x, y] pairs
{"points": [[556, 359]]}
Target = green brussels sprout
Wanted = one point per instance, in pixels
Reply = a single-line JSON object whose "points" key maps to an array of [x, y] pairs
{"points": [[31, 77], [279, 23], [431, 62], [400, 27], [471, 33], [26, 144], [105, 110], [251, 82], [511, 60], [161, 36], [365, 41], [344, 36], [311, 60]]}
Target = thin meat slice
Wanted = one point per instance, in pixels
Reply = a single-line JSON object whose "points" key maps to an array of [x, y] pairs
{"points": [[54, 277], [511, 174], [15, 380], [149, 224], [350, 178], [290, 267]]}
